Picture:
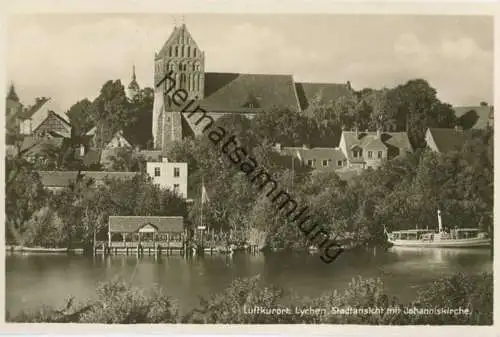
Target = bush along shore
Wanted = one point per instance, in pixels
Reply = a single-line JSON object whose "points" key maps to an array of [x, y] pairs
{"points": [[463, 300]]}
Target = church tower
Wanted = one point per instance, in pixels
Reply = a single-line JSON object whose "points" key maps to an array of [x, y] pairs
{"points": [[181, 56], [133, 88]]}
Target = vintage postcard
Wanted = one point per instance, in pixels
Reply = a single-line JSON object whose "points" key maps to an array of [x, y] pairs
{"points": [[248, 169]]}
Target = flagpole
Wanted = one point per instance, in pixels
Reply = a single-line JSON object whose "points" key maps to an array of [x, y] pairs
{"points": [[201, 211]]}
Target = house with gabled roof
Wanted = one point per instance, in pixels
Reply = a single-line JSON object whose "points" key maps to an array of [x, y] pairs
{"points": [[370, 149], [30, 119], [221, 93], [54, 126], [444, 140], [321, 159]]}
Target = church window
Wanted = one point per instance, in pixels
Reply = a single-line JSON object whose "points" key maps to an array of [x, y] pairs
{"points": [[189, 51], [176, 51], [194, 52], [183, 80], [170, 51]]}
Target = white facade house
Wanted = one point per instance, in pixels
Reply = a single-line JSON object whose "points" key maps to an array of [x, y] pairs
{"points": [[172, 176]]}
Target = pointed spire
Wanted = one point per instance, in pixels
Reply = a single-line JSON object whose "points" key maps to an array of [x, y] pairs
{"points": [[133, 73], [12, 94]]}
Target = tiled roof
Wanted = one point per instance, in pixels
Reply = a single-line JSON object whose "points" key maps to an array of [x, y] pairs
{"points": [[130, 224], [250, 93], [152, 155], [374, 143], [397, 140], [36, 146], [318, 154], [307, 92], [484, 113], [447, 139], [27, 114], [64, 178]]}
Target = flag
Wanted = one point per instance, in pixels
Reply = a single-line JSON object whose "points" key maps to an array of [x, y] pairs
{"points": [[204, 195], [299, 156]]}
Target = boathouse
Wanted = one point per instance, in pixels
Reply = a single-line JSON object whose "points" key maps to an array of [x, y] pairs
{"points": [[145, 232]]}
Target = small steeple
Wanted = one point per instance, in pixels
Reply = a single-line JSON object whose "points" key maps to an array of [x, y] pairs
{"points": [[133, 87], [12, 94]]}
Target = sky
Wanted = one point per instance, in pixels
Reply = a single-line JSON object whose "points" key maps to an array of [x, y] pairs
{"points": [[70, 56]]}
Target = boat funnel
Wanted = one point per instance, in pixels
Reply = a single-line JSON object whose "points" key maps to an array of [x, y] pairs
{"points": [[439, 221]]}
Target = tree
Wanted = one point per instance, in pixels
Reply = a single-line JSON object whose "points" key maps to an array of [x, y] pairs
{"points": [[80, 117], [416, 106], [110, 112], [141, 108], [24, 195]]}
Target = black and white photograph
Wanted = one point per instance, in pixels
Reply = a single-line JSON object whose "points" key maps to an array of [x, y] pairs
{"points": [[231, 168]]}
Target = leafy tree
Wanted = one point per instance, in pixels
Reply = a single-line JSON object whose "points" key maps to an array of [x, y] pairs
{"points": [[24, 195], [80, 117]]}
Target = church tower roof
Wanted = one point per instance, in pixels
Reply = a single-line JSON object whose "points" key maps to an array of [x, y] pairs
{"points": [[12, 94], [133, 84], [180, 36]]}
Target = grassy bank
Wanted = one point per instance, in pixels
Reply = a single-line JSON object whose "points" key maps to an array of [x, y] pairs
{"points": [[119, 303]]}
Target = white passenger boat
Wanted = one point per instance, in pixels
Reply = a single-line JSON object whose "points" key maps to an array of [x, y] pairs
{"points": [[454, 238]]}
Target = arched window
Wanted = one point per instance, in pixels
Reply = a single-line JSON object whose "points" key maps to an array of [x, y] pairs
{"points": [[176, 51], [189, 51], [170, 51], [197, 82], [183, 81], [197, 66], [194, 52]]}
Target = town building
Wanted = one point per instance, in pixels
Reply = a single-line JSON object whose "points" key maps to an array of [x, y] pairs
{"points": [[146, 231], [475, 117], [53, 126], [364, 149], [44, 114], [445, 140], [321, 159], [58, 180], [221, 93], [13, 108], [170, 175]]}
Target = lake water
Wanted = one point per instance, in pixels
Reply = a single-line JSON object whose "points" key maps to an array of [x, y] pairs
{"points": [[35, 280]]}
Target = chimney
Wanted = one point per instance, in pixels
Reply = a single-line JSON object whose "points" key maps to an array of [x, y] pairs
{"points": [[278, 147], [356, 131], [82, 150], [379, 132], [164, 159], [458, 128]]}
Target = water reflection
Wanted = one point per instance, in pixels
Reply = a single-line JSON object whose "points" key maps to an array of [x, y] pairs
{"points": [[39, 279]]}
